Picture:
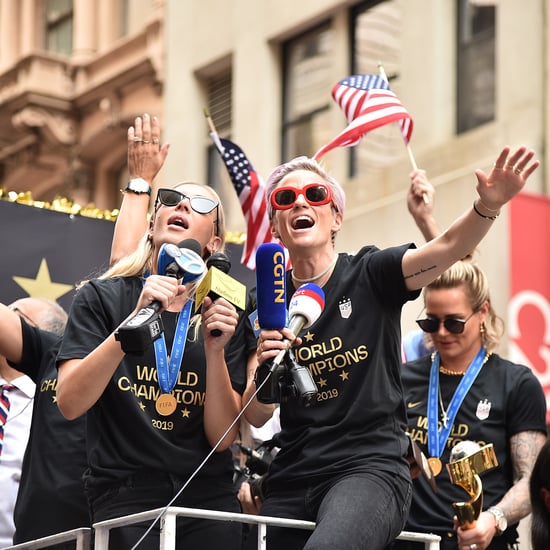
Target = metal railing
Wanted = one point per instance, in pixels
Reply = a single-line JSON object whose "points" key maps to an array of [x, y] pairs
{"points": [[82, 537], [167, 520]]}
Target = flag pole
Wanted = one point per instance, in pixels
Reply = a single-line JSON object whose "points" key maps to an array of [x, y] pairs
{"points": [[407, 145], [213, 132]]}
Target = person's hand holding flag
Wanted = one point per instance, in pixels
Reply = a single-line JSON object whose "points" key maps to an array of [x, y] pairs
{"points": [[368, 103]]}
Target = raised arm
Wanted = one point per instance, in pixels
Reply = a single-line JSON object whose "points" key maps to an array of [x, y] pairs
{"points": [[420, 202], [145, 159], [506, 179]]}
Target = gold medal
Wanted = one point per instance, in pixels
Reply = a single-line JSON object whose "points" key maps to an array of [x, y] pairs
{"points": [[166, 404], [435, 465]]}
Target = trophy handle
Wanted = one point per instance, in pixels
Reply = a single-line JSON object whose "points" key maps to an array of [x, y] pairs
{"points": [[468, 512]]}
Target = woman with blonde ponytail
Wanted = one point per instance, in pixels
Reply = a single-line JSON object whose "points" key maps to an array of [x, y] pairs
{"points": [[464, 391], [152, 419]]}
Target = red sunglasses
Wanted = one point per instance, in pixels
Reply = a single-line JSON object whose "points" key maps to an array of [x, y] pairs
{"points": [[316, 194]]}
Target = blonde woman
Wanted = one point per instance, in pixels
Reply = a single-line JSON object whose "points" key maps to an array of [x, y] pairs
{"points": [[152, 421], [466, 391]]}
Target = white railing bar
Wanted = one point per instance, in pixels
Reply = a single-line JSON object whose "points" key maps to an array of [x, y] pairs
{"points": [[168, 525], [82, 537], [205, 514], [167, 518], [168, 532]]}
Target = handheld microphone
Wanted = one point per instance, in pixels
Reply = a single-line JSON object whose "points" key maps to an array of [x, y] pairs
{"points": [[288, 378], [181, 261], [306, 306], [217, 283], [271, 286]]}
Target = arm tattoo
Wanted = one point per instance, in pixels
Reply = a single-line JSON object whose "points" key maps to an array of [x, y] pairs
{"points": [[422, 270], [524, 448]]}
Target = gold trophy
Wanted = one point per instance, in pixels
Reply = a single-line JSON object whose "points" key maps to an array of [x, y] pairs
{"points": [[467, 461]]}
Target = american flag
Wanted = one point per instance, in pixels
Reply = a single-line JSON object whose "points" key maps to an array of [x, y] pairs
{"points": [[251, 192], [368, 103]]}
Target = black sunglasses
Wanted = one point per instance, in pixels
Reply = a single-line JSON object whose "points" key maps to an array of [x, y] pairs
{"points": [[451, 324], [200, 204]]}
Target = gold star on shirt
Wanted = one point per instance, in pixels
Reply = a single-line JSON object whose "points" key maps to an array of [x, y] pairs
{"points": [[141, 406], [322, 382], [42, 286], [344, 375], [185, 412], [308, 336]]}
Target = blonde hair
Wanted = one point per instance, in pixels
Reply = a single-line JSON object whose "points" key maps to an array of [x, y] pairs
{"points": [[140, 261], [467, 274]]}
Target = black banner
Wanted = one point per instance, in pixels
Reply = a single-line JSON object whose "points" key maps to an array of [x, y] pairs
{"points": [[45, 253]]}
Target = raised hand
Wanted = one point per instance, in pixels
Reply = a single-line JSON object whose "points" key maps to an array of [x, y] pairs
{"points": [[145, 153], [507, 177]]}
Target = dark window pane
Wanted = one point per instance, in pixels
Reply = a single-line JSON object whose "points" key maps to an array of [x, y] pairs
{"points": [[475, 64], [306, 98], [375, 39]]}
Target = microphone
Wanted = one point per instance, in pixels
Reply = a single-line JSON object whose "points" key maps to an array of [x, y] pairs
{"points": [[306, 306], [181, 261], [217, 283], [287, 377], [271, 286]]}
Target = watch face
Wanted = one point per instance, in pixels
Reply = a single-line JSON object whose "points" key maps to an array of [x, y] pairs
{"points": [[138, 185]]}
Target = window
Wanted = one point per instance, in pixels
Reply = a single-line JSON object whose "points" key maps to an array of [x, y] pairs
{"points": [[59, 26], [306, 92], [375, 32], [219, 97], [475, 64]]}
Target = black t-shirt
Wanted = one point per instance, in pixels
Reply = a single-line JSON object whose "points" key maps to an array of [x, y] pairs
{"points": [[125, 433], [504, 400], [51, 493], [353, 353]]}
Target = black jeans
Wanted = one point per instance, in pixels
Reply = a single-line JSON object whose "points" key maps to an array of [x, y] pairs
{"points": [[362, 511]]}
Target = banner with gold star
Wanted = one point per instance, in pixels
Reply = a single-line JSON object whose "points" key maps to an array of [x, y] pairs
{"points": [[45, 253]]}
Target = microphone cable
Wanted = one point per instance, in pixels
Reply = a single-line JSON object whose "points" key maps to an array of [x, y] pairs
{"points": [[199, 467]]}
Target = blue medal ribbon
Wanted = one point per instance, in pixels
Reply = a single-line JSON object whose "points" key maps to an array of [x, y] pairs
{"points": [[167, 373], [438, 437]]}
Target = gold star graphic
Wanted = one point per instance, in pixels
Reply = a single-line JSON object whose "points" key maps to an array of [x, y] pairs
{"points": [[322, 382], [308, 336], [54, 398], [42, 286], [185, 412], [344, 375], [141, 406]]}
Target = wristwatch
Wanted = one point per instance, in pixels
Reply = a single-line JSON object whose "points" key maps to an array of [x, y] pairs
{"points": [[501, 523], [138, 186]]}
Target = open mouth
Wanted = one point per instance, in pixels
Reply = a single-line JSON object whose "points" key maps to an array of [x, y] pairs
{"points": [[302, 222], [179, 222]]}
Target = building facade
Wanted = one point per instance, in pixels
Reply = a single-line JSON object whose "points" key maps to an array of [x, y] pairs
{"points": [[473, 74]]}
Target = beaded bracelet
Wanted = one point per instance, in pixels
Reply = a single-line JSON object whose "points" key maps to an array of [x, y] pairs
{"points": [[492, 218]]}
